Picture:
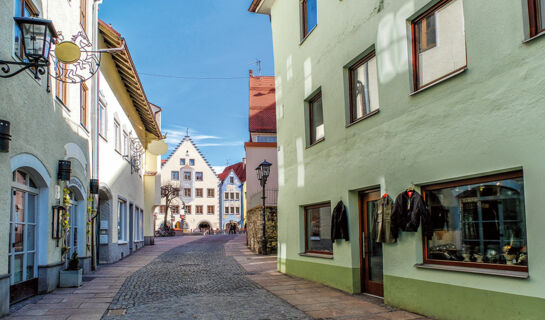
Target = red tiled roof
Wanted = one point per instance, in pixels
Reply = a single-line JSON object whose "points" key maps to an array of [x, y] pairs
{"points": [[262, 104], [240, 171]]}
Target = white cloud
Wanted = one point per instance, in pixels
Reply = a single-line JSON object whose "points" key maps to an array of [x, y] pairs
{"points": [[218, 169]]}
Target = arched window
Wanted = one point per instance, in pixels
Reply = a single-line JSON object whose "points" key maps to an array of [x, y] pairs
{"points": [[22, 232]]}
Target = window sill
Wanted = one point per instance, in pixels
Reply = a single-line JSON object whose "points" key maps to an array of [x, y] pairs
{"points": [[308, 34], [440, 80], [317, 255], [103, 137], [369, 115], [84, 128], [315, 143], [59, 101], [491, 272], [539, 35], [121, 242]]}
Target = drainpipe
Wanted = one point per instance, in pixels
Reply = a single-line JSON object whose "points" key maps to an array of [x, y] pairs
{"points": [[94, 134]]}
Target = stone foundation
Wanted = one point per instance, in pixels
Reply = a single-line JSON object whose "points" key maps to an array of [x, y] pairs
{"points": [[254, 229], [4, 294], [48, 277]]}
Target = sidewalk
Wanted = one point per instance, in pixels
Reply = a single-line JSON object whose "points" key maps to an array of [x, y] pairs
{"points": [[91, 300], [317, 300]]}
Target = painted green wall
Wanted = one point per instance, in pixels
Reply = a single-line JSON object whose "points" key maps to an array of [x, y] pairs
{"points": [[460, 303], [485, 120]]}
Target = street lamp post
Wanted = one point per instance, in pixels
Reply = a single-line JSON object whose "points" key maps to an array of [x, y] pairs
{"points": [[263, 171]]}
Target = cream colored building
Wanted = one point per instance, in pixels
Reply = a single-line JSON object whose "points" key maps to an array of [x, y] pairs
{"points": [[187, 168], [129, 179]]}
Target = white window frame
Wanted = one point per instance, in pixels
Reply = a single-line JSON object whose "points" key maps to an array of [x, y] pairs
{"points": [[117, 129], [121, 220], [102, 121]]}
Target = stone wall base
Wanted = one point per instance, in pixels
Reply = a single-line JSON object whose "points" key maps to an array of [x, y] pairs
{"points": [[254, 229], [4, 294], [149, 240], [48, 277], [85, 264]]}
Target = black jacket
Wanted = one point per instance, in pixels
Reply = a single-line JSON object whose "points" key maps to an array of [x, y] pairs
{"points": [[339, 223], [408, 211]]}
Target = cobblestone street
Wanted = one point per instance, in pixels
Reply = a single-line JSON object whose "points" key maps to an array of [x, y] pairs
{"points": [[194, 277], [197, 281]]}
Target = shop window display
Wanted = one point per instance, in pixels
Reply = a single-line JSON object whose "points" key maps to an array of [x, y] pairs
{"points": [[478, 223]]}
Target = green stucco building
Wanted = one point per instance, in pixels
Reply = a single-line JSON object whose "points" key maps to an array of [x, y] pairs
{"points": [[441, 98]]}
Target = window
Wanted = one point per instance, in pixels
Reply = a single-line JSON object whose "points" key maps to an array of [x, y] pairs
{"points": [[175, 209], [125, 143], [227, 196], [83, 105], [265, 139], [536, 10], [188, 209], [232, 210], [231, 180], [175, 175], [363, 87], [316, 119], [198, 209], [163, 209], [237, 196], [232, 196], [182, 162], [60, 85], [23, 235], [198, 192], [187, 175], [226, 210], [318, 229], [478, 223], [23, 8], [121, 220], [198, 176], [210, 209], [187, 192], [238, 210], [439, 45], [191, 162], [102, 120], [83, 14], [210, 193], [117, 129], [309, 17]]}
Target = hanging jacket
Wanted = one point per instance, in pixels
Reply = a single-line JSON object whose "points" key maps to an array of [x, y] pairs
{"points": [[384, 228], [339, 223], [408, 211]]}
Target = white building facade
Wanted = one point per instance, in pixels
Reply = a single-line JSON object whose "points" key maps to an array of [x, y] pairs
{"points": [[124, 159], [198, 202]]}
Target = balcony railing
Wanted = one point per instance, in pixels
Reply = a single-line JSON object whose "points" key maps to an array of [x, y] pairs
{"points": [[254, 200]]}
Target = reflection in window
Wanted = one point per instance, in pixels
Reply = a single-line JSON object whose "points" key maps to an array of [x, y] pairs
{"points": [[364, 87], [318, 229], [316, 118], [309, 16], [480, 223]]}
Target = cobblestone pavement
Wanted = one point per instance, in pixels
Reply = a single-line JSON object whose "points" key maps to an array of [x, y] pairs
{"points": [[197, 281]]}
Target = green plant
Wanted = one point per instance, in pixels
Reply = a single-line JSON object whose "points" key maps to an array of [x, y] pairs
{"points": [[73, 263]]}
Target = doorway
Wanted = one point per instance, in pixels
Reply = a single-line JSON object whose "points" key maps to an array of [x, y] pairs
{"points": [[22, 254], [370, 250]]}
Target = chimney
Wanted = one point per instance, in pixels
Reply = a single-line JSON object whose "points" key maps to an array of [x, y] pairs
{"points": [[244, 161], [251, 73]]}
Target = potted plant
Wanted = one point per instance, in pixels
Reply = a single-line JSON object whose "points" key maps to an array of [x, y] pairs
{"points": [[73, 275]]}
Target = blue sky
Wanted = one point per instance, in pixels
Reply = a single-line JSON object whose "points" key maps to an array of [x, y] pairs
{"points": [[196, 38]]}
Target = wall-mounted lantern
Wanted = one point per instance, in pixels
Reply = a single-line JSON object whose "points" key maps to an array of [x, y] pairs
{"points": [[5, 136], [93, 186], [64, 171], [36, 36]]}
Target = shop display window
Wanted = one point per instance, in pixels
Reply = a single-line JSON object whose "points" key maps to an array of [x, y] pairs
{"points": [[318, 229], [478, 223]]}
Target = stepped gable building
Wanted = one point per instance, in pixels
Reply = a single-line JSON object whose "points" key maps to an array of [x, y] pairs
{"points": [[197, 207], [231, 199]]}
